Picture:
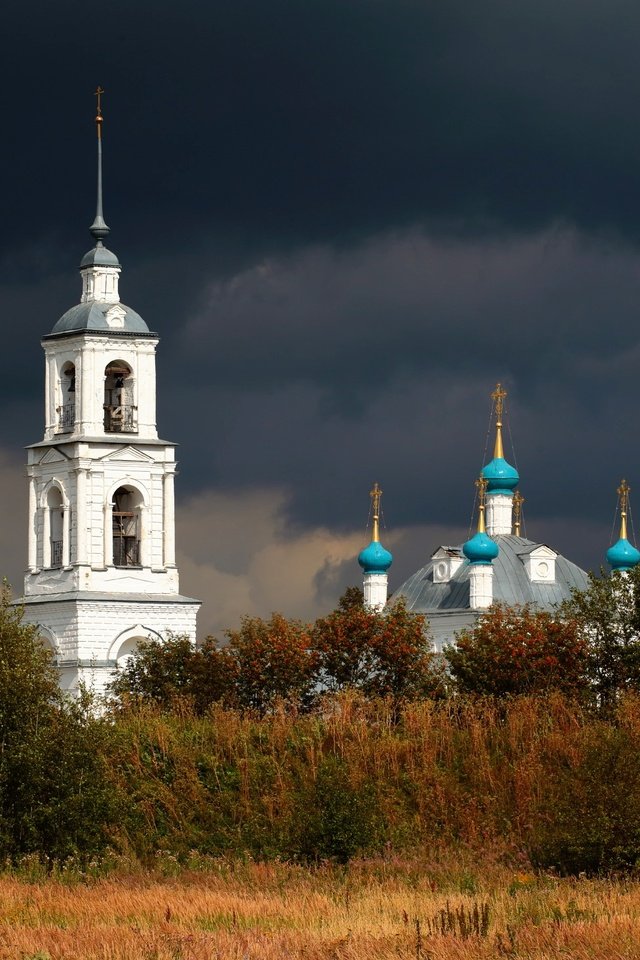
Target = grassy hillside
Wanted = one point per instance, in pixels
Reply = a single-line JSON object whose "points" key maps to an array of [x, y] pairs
{"points": [[537, 778]]}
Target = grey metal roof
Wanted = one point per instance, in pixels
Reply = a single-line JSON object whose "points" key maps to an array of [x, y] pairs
{"points": [[511, 583], [92, 316], [99, 256]]}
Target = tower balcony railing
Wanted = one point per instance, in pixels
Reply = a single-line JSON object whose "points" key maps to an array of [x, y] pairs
{"points": [[66, 417], [120, 419], [56, 554]]}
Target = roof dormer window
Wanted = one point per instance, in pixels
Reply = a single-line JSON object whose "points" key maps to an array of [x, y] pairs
{"points": [[446, 561], [540, 563]]}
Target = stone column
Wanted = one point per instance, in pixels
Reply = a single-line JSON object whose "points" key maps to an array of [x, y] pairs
{"points": [[145, 545], [169, 520], [65, 535], [33, 521], [46, 536], [107, 543], [51, 397], [81, 515]]}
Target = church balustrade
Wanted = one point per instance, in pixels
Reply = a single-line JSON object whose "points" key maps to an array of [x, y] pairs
{"points": [[121, 418], [56, 553], [126, 552]]}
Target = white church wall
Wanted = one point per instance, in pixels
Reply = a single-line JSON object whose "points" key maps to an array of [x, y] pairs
{"points": [[84, 631]]}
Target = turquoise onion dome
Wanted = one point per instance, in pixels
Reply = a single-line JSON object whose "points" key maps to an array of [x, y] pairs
{"points": [[374, 558], [623, 555], [501, 477], [480, 549]]}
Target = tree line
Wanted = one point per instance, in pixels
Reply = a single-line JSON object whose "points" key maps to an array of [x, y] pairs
{"points": [[338, 738], [588, 648]]}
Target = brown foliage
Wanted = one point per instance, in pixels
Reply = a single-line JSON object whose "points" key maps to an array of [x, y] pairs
{"points": [[519, 650]]}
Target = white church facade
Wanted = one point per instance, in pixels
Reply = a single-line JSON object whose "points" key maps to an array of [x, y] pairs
{"points": [[101, 538]]}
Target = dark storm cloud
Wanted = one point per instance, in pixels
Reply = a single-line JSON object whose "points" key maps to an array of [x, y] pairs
{"points": [[273, 124], [346, 219]]}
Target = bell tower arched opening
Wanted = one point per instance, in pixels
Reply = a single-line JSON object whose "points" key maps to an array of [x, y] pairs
{"points": [[120, 412], [126, 526], [67, 407]]}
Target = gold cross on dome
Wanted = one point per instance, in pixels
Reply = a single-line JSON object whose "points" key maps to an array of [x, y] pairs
{"points": [[498, 396], [376, 496], [623, 492]]}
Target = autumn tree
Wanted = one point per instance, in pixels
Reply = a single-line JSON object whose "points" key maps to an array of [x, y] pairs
{"points": [[387, 653], [607, 613], [519, 650], [274, 660], [55, 797], [165, 671], [344, 643]]}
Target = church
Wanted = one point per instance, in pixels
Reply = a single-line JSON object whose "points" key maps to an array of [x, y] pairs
{"points": [[101, 571], [497, 564]]}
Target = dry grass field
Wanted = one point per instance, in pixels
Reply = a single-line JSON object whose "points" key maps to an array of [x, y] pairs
{"points": [[378, 909]]}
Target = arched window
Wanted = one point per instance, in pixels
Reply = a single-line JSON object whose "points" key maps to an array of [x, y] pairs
{"points": [[126, 527], [47, 641], [126, 644], [55, 511], [120, 413], [67, 408]]}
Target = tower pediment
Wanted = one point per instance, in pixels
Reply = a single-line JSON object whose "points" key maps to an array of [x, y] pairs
{"points": [[53, 455], [127, 455]]}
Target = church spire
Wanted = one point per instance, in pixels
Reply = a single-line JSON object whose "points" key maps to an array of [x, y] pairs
{"points": [[376, 497], [623, 492], [498, 396], [99, 267], [518, 500], [481, 484], [99, 229]]}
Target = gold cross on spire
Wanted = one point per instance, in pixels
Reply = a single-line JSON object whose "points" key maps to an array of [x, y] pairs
{"points": [[518, 500], [481, 484], [498, 396], [623, 492], [99, 118], [376, 497]]}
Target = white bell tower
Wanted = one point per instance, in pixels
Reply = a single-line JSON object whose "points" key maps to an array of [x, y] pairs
{"points": [[101, 558]]}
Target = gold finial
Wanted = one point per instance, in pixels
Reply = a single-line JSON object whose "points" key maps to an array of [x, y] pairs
{"points": [[376, 497], [498, 396], [481, 484], [623, 492], [518, 500], [99, 118]]}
